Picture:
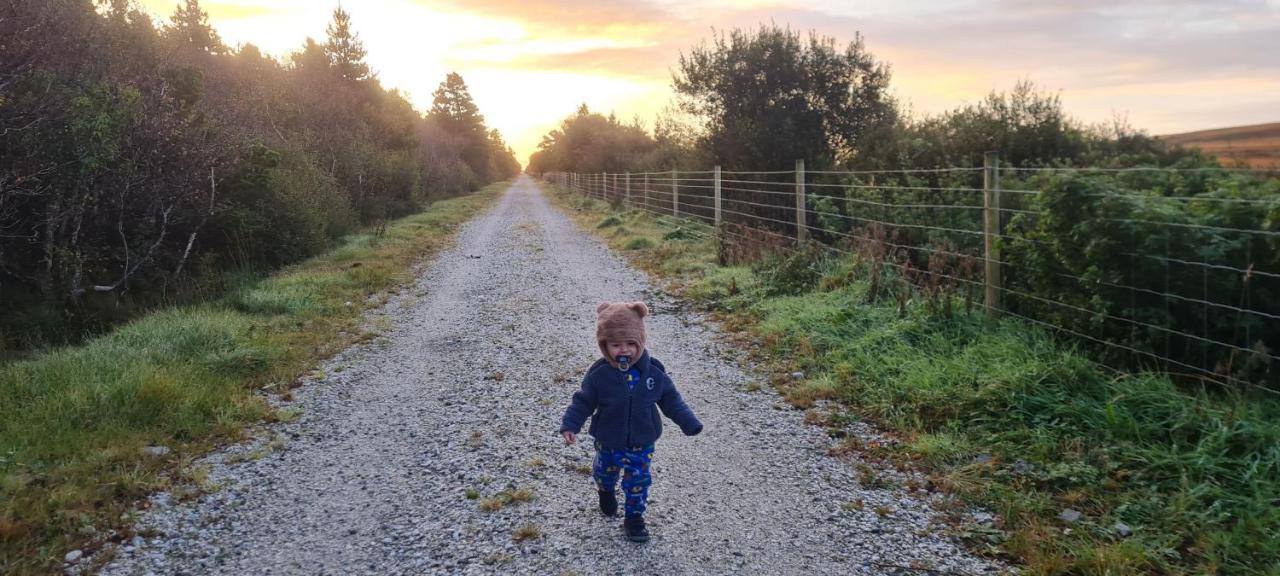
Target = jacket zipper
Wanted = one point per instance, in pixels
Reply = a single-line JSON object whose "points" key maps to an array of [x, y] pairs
{"points": [[630, 392]]}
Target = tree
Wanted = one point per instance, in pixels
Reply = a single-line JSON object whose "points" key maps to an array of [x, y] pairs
{"points": [[345, 51], [456, 113], [311, 58], [137, 162], [191, 29], [591, 142], [502, 161], [453, 108], [767, 98]]}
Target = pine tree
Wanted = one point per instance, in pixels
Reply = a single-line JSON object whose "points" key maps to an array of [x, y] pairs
{"points": [[456, 113], [191, 28], [453, 108], [345, 50]]}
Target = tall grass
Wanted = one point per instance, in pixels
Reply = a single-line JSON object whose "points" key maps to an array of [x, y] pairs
{"points": [[1169, 480], [74, 422]]}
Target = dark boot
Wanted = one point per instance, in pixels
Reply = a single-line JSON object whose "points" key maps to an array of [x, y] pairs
{"points": [[634, 527], [608, 503]]}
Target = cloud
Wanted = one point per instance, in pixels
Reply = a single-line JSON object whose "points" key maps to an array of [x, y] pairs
{"points": [[223, 10], [647, 62], [592, 17]]}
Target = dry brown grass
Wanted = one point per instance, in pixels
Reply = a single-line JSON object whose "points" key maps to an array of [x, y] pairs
{"points": [[1256, 146]]}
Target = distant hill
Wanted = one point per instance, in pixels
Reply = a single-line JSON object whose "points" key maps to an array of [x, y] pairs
{"points": [[1258, 146]]}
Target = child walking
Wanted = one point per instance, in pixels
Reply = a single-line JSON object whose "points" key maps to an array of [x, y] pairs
{"points": [[622, 393]]}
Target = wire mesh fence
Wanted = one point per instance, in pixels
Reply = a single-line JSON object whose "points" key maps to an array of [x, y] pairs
{"points": [[1176, 269]]}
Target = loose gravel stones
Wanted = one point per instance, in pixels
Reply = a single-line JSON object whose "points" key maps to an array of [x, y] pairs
{"points": [[432, 449]]}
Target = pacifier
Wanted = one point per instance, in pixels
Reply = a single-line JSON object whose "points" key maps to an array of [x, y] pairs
{"points": [[624, 362]]}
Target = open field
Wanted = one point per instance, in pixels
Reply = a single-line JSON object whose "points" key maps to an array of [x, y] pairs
{"points": [[1256, 146]]}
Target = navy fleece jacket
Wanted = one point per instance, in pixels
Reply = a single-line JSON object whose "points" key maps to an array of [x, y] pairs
{"points": [[622, 416]]}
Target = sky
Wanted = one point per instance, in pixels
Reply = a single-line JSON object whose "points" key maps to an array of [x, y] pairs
{"points": [[1164, 66]]}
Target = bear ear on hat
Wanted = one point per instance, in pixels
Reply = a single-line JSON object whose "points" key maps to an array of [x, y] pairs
{"points": [[600, 308], [640, 308]]}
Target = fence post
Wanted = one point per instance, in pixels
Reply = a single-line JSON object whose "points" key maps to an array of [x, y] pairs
{"points": [[646, 191], [628, 180], [717, 191], [675, 193], [802, 233], [991, 231]]}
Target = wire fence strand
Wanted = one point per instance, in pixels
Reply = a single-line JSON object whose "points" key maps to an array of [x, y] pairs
{"points": [[914, 221]]}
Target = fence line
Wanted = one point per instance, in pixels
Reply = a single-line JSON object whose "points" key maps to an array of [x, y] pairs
{"points": [[932, 223]]}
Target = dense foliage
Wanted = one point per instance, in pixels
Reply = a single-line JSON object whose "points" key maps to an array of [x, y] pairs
{"points": [[143, 163], [769, 97], [591, 142], [748, 101]]}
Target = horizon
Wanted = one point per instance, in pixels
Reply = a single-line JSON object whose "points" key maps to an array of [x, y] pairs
{"points": [[1184, 67]]}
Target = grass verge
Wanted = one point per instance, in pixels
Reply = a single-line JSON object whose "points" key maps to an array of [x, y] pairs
{"points": [[1090, 472], [87, 431]]}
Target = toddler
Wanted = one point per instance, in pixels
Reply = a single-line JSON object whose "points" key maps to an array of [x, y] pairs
{"points": [[622, 393]]}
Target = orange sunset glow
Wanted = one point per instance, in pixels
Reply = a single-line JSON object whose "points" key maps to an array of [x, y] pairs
{"points": [[1167, 69]]}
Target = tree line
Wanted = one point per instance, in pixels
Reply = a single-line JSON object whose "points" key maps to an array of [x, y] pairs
{"points": [[1179, 264], [757, 100], [144, 162]]}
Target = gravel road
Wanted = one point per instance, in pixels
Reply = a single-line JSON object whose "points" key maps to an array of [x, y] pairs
{"points": [[402, 438]]}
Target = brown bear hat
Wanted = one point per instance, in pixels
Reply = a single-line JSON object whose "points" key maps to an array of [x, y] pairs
{"points": [[620, 321]]}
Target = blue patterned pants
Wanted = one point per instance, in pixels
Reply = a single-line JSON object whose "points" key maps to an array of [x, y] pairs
{"points": [[633, 464]]}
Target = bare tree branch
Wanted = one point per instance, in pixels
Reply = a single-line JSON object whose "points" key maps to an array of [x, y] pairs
{"points": [[164, 228], [191, 240]]}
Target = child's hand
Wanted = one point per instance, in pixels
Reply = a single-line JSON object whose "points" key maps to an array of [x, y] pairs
{"points": [[569, 437]]}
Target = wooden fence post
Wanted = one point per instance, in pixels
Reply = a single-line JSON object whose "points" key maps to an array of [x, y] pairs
{"points": [[646, 191], [991, 231], [628, 179], [717, 192], [802, 233], [675, 193]]}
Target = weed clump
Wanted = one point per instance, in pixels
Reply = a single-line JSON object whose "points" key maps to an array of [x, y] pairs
{"points": [[527, 532], [679, 233], [792, 274], [507, 497], [638, 244]]}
